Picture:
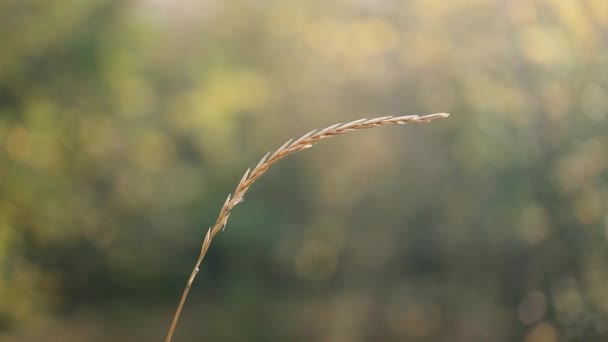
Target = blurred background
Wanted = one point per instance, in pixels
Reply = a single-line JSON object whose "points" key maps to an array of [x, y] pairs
{"points": [[124, 125]]}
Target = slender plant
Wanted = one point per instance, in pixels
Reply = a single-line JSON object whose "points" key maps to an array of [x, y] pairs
{"points": [[290, 147]]}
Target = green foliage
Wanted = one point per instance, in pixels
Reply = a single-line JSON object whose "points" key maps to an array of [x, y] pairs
{"points": [[123, 125]]}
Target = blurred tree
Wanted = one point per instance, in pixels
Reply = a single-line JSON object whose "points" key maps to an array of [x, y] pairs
{"points": [[124, 123]]}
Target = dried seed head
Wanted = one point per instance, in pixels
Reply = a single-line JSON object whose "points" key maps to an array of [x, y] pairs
{"points": [[250, 176]]}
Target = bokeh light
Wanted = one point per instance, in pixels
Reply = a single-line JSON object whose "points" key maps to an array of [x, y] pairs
{"points": [[124, 124]]}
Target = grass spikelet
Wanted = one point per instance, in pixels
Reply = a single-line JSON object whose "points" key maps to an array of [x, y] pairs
{"points": [[290, 147]]}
